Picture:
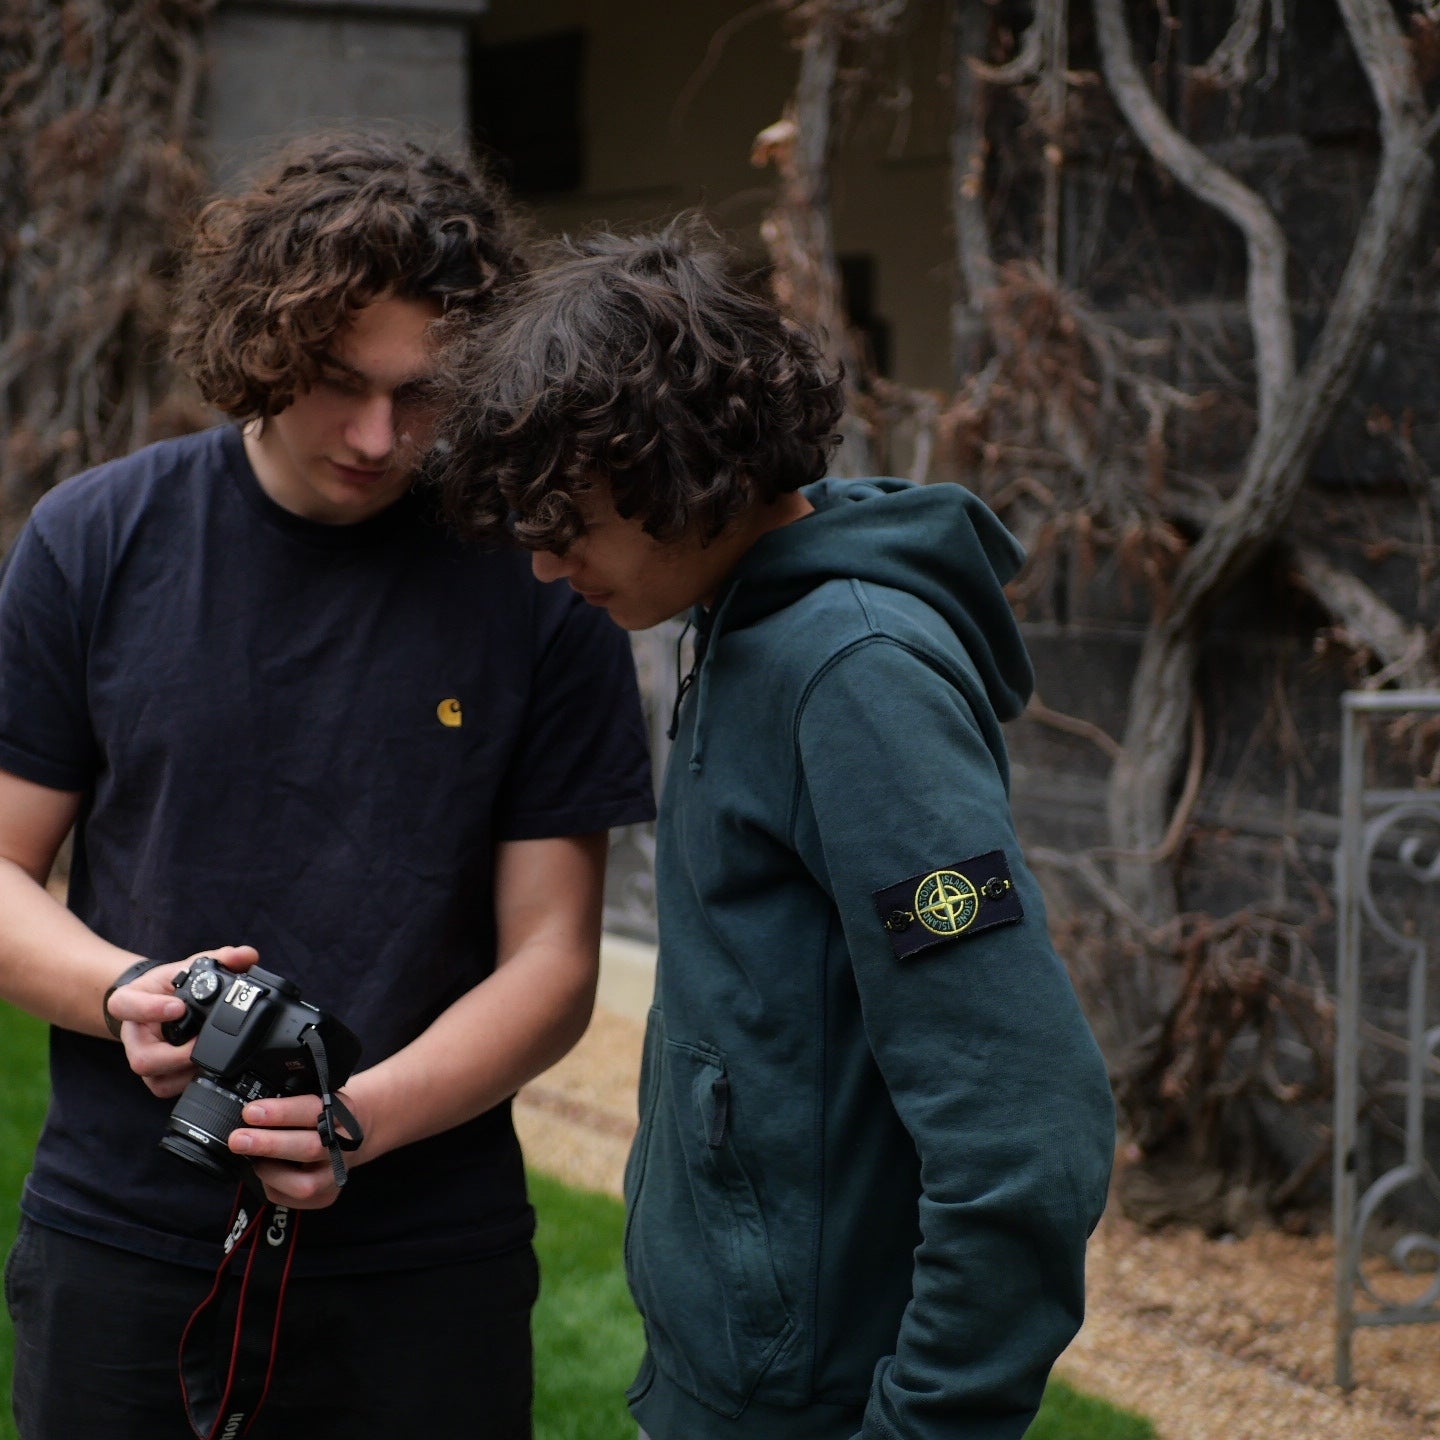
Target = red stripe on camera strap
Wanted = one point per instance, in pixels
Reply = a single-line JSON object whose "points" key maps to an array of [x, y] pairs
{"points": [[221, 1401]]}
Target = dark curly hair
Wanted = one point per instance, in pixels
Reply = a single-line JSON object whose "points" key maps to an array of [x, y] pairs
{"points": [[334, 222], [640, 361]]}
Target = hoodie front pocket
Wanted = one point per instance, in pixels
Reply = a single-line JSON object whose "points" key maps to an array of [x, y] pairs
{"points": [[698, 1251]]}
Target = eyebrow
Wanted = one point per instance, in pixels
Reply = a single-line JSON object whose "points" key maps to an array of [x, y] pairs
{"points": [[333, 362], [416, 384]]}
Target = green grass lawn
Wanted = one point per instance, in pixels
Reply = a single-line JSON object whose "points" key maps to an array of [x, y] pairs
{"points": [[587, 1335], [588, 1341], [1069, 1415], [24, 1089]]}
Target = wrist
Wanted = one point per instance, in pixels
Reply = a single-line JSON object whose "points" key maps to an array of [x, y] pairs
{"points": [[367, 1102], [129, 973]]}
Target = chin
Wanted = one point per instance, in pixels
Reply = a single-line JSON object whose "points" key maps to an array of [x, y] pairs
{"points": [[632, 619]]}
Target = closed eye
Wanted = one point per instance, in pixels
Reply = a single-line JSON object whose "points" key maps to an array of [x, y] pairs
{"points": [[341, 382], [416, 395]]}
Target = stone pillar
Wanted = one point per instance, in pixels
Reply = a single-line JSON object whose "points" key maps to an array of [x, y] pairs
{"points": [[281, 67]]}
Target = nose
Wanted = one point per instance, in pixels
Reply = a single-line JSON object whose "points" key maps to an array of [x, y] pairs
{"points": [[371, 431], [547, 566]]}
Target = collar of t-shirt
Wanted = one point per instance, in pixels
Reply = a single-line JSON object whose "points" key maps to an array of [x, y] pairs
{"points": [[400, 516]]}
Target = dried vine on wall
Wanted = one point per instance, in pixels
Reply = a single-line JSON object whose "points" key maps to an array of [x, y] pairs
{"points": [[97, 105], [1064, 418]]}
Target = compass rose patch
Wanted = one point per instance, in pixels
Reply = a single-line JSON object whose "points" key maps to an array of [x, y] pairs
{"points": [[962, 899]]}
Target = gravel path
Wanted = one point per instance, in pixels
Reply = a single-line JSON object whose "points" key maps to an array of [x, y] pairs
{"points": [[1213, 1340]]}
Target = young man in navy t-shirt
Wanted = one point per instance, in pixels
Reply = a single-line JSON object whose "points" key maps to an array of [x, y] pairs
{"points": [[278, 704]]}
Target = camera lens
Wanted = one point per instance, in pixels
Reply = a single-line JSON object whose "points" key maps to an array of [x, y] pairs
{"points": [[201, 1123]]}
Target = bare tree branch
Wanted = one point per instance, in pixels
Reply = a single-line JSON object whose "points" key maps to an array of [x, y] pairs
{"points": [[1368, 620], [1267, 296], [970, 29], [1291, 428], [799, 231], [1052, 123], [1229, 66], [1030, 57], [1083, 869], [1039, 711], [1180, 819]]}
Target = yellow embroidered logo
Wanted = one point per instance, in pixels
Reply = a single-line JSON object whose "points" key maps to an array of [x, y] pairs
{"points": [[450, 714], [946, 902]]}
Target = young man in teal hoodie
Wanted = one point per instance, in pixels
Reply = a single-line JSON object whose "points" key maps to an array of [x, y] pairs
{"points": [[875, 1130]]}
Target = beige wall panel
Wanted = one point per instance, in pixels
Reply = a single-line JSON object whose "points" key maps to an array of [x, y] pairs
{"points": [[674, 97]]}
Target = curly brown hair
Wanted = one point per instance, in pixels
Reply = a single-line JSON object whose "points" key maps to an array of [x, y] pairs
{"points": [[640, 361], [332, 223]]}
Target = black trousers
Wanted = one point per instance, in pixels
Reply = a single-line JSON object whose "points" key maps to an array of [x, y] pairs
{"points": [[442, 1354]]}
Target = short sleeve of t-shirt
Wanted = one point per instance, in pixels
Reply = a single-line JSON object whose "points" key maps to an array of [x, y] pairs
{"points": [[583, 763], [45, 733]]}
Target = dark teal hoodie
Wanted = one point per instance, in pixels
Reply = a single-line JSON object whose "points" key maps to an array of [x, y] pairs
{"points": [[869, 1158]]}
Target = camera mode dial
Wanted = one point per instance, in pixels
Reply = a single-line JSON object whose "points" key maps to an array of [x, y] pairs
{"points": [[204, 986], [197, 987]]}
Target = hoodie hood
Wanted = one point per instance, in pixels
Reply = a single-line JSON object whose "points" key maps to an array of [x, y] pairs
{"points": [[940, 543]]}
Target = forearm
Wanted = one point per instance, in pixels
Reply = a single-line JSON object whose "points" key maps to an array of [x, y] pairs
{"points": [[504, 1032], [512, 1025], [1009, 1109], [51, 963], [998, 1294]]}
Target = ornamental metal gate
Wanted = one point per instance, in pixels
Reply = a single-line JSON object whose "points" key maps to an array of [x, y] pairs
{"points": [[1387, 1061]]}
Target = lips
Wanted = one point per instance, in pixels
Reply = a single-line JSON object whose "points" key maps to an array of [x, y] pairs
{"points": [[356, 475]]}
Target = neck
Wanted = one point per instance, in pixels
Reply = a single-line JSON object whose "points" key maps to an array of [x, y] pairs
{"points": [[268, 467], [760, 521], [257, 451], [786, 510]]}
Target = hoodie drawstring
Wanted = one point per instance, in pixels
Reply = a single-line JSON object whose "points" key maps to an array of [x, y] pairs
{"points": [[682, 683], [707, 629]]}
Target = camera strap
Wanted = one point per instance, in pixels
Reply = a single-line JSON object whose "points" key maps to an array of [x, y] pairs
{"points": [[223, 1397], [332, 1107]]}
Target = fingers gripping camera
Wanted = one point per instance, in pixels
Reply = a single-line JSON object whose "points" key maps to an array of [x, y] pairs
{"points": [[255, 1039]]}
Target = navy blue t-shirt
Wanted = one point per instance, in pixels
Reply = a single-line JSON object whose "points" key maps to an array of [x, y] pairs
{"points": [[261, 712]]}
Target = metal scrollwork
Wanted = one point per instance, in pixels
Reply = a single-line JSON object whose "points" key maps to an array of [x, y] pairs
{"points": [[1412, 1254], [1412, 855], [1378, 1239]]}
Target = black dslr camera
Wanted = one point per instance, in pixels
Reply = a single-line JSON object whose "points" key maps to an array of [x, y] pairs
{"points": [[255, 1039]]}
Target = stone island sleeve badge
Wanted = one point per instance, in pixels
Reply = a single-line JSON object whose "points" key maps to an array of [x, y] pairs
{"points": [[945, 904]]}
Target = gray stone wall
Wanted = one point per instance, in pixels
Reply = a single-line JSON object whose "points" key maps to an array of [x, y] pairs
{"points": [[284, 66]]}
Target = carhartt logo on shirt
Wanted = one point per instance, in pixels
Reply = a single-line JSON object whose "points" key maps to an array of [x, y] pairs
{"points": [[450, 714]]}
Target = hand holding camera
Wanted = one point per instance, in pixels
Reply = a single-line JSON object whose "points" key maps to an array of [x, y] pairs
{"points": [[255, 1039], [143, 1001]]}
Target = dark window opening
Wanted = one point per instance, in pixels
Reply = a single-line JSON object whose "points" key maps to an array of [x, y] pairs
{"points": [[857, 287], [525, 100]]}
